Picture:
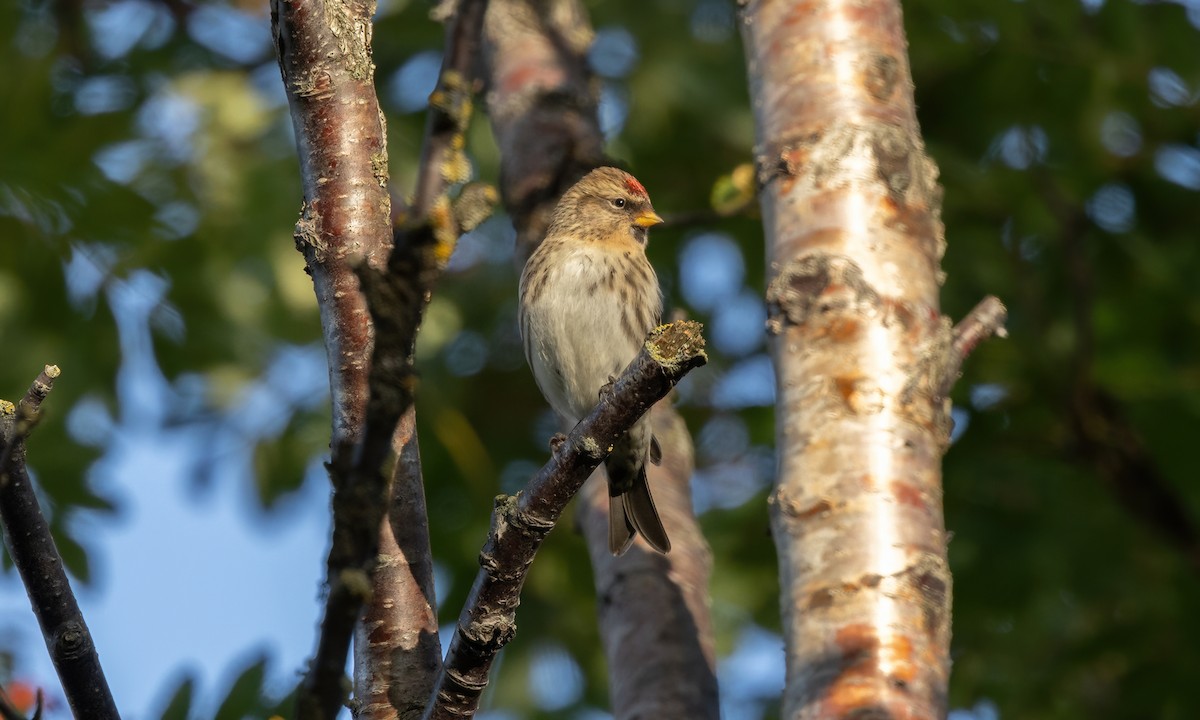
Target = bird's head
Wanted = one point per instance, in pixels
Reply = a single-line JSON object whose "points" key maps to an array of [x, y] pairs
{"points": [[607, 204]]}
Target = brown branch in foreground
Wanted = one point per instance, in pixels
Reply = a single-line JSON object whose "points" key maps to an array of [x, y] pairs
{"points": [[985, 319], [325, 56], [325, 60], [674, 675], [520, 523], [32, 549]]}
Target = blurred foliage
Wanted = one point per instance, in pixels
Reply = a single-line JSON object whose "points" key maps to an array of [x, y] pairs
{"points": [[148, 189]]}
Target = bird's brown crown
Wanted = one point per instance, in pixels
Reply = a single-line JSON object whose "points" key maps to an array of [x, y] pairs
{"points": [[606, 205], [608, 182]]}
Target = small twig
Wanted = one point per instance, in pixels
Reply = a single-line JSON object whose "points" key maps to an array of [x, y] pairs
{"points": [[29, 411], [985, 319], [521, 522], [443, 158], [37, 559]]}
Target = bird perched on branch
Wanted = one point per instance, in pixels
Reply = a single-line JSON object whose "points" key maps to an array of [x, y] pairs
{"points": [[589, 297]]}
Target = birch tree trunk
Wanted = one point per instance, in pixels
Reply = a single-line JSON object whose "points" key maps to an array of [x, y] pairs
{"points": [[851, 210]]}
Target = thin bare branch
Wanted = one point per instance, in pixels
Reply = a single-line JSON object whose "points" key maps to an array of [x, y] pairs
{"points": [[443, 158], [423, 242], [520, 523], [32, 548]]}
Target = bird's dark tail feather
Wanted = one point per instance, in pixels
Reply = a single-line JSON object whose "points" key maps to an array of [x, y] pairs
{"points": [[633, 512]]}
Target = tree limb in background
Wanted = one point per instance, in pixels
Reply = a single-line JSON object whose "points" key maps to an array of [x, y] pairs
{"points": [[33, 552], [542, 105], [852, 217], [670, 672], [521, 522], [1101, 434]]}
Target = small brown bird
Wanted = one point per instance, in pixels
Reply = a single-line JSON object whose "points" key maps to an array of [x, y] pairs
{"points": [[589, 297]]}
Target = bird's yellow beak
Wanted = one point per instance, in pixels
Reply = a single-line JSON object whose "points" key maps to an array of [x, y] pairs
{"points": [[648, 218]]}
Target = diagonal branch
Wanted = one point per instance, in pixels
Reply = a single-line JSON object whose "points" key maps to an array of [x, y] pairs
{"points": [[520, 523], [1101, 433], [33, 552]]}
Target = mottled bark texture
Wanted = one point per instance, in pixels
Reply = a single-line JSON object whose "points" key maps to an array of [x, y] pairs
{"points": [[324, 49], [851, 209], [542, 101], [520, 523], [664, 668], [324, 52], [31, 546]]}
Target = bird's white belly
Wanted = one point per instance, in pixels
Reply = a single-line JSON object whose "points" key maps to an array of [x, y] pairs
{"points": [[577, 341]]}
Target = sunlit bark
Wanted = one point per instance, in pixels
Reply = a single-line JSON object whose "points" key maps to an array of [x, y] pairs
{"points": [[851, 209]]}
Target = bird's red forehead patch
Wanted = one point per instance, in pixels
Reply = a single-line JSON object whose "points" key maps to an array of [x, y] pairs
{"points": [[635, 187]]}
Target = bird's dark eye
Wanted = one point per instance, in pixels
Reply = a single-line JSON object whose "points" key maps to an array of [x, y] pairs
{"points": [[618, 202]]}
